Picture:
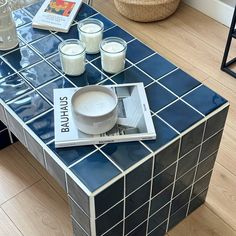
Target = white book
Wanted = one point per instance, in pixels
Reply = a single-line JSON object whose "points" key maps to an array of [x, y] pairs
{"points": [[134, 118], [56, 15]]}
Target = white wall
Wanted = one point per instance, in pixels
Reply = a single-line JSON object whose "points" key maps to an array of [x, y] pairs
{"points": [[220, 10]]}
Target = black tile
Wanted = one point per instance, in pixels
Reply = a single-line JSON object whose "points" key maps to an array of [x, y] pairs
{"points": [[118, 32], [39, 74], [158, 217], [136, 218], [29, 106], [12, 86], [132, 151], [5, 69], [22, 58], [216, 123], [160, 230], [184, 182], [5, 139], [197, 201], [138, 198], [204, 100], [43, 127], [201, 184], [180, 116], [20, 17], [166, 157], [180, 200], [116, 231], [163, 180], [47, 46], [192, 139], [211, 145], [103, 171], [177, 217], [2, 126], [164, 134], [205, 166], [156, 66], [84, 12], [138, 176], [140, 230], [78, 195], [135, 55], [187, 162], [179, 82], [109, 219], [158, 97], [109, 197], [161, 199]]}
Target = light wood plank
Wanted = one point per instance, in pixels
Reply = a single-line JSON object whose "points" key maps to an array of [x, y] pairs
{"points": [[202, 222], [16, 174], [7, 228], [221, 198], [39, 211]]}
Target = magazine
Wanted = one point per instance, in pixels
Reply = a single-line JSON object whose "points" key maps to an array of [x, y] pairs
{"points": [[134, 118], [56, 15]]}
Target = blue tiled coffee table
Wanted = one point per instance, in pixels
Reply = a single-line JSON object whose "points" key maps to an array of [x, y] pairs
{"points": [[136, 188]]}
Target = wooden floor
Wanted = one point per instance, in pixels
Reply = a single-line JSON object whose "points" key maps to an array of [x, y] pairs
{"points": [[32, 204]]}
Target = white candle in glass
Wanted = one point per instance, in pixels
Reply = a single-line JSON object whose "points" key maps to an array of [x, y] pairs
{"points": [[113, 53], [72, 56], [91, 33]]}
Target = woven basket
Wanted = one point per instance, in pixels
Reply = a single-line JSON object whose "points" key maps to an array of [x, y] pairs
{"points": [[146, 10]]}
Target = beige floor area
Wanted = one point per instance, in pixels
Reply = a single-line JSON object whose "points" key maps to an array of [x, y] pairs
{"points": [[32, 204]]}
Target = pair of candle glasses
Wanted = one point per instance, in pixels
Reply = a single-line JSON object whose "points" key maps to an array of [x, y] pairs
{"points": [[72, 51]]}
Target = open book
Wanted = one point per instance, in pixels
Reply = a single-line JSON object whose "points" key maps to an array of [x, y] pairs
{"points": [[56, 15], [134, 118]]}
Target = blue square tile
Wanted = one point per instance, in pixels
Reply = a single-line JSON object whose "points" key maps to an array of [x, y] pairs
{"points": [[29, 106], [107, 82], [72, 33], [140, 230], [70, 155], [98, 64], [160, 230], [47, 90], [117, 230], [156, 66], [136, 218], [89, 77], [55, 61], [39, 74], [20, 17], [101, 168], [91, 57], [138, 176], [158, 217], [47, 46], [204, 100], [179, 82], [109, 197], [109, 219], [164, 134], [126, 154], [161, 199], [12, 87], [137, 198], [197, 202], [158, 97], [132, 75], [137, 51], [29, 34], [5, 139], [166, 157], [84, 12], [33, 9], [163, 180], [118, 32], [180, 116], [22, 58], [21, 44], [5, 69], [107, 23], [43, 127]]}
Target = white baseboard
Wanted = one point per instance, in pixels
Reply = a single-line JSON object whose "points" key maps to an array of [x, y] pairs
{"points": [[216, 9]]}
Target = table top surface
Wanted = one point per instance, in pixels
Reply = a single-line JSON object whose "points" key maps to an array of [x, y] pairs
{"points": [[30, 72]]}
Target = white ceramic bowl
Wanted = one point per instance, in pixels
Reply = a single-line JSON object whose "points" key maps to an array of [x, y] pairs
{"points": [[94, 109]]}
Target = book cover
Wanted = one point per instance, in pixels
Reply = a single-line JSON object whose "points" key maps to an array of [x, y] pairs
{"points": [[134, 118]]}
